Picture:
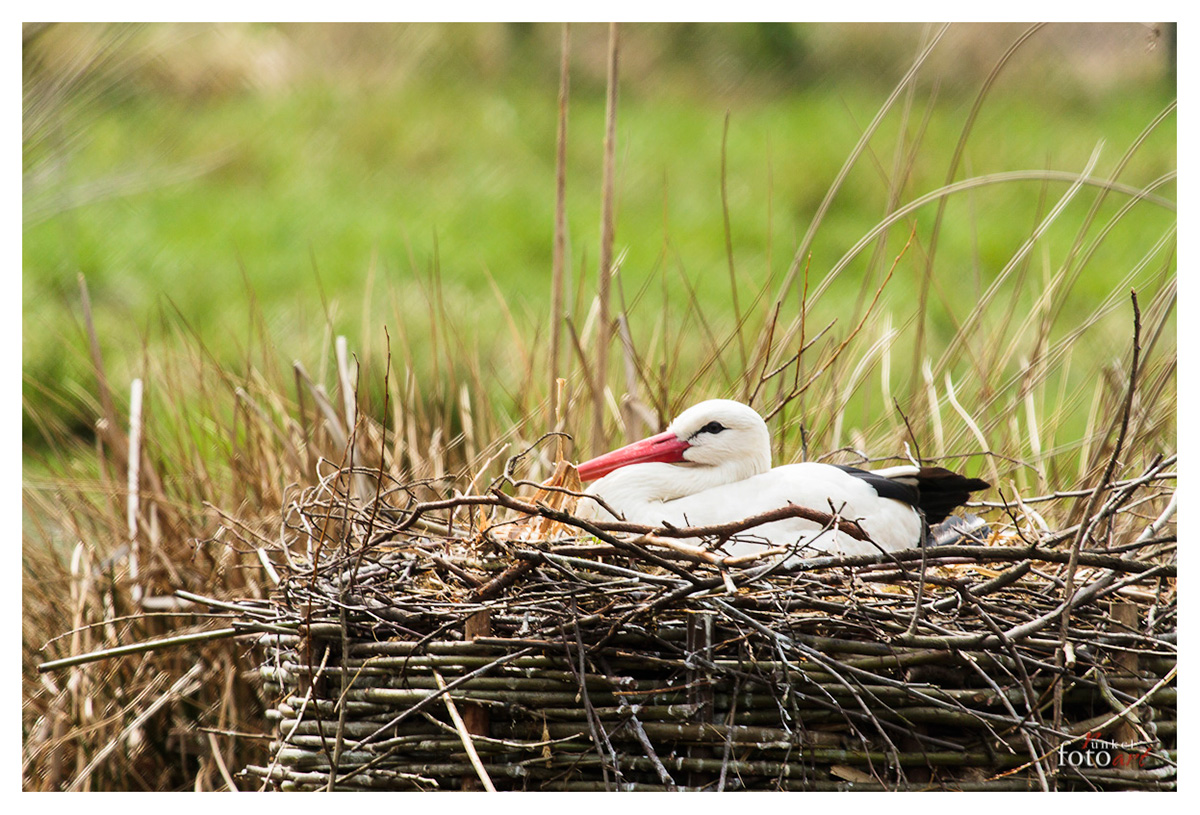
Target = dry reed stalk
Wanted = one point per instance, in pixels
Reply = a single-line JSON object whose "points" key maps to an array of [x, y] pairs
{"points": [[133, 489], [951, 173], [802, 251], [558, 269], [607, 225]]}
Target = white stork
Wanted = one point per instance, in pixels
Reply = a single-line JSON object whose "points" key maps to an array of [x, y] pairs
{"points": [[712, 466]]}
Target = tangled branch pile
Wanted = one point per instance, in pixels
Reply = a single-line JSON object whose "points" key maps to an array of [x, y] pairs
{"points": [[487, 641]]}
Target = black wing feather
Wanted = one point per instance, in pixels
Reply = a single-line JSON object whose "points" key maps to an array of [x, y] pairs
{"points": [[936, 491], [905, 491], [942, 491]]}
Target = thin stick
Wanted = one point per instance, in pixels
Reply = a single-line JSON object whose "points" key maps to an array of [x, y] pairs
{"points": [[1090, 520], [221, 768], [464, 735], [140, 647]]}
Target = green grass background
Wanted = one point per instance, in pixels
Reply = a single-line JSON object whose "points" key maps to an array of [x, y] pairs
{"points": [[198, 184]]}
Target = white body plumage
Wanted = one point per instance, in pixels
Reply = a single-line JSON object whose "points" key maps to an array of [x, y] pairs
{"points": [[713, 465]]}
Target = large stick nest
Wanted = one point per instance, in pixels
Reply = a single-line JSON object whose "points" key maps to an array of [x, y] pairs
{"points": [[490, 641]]}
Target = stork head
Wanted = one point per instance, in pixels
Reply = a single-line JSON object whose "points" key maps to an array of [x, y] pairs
{"points": [[718, 441]]}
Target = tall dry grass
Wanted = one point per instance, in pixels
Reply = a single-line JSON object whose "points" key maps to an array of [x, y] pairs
{"points": [[181, 491]]}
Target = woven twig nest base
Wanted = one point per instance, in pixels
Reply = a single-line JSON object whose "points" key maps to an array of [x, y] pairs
{"points": [[442, 665]]}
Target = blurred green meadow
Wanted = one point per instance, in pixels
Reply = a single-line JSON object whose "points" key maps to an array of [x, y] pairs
{"points": [[234, 182]]}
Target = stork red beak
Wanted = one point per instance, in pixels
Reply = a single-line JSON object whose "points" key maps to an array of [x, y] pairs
{"points": [[664, 447]]}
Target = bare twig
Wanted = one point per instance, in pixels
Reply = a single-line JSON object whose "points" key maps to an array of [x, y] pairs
{"points": [[461, 728]]}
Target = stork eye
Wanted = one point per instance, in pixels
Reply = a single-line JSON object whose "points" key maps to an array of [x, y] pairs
{"points": [[712, 427]]}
